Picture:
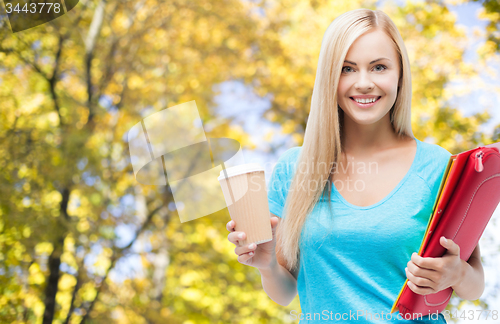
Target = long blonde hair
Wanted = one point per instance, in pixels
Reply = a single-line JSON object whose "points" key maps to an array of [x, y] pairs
{"points": [[322, 139]]}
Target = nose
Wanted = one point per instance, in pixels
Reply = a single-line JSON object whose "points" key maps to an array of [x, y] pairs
{"points": [[364, 83]]}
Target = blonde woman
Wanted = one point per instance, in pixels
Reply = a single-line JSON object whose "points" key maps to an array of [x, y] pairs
{"points": [[350, 206]]}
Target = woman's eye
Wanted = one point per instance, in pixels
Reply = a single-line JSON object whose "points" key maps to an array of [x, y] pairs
{"points": [[381, 66], [345, 67]]}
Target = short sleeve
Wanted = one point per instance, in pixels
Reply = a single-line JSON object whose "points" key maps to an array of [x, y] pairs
{"points": [[279, 184]]}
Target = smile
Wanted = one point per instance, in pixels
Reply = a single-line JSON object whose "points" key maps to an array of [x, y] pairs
{"points": [[364, 105]]}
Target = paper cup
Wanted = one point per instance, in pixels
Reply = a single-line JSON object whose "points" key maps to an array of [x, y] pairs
{"points": [[245, 192]]}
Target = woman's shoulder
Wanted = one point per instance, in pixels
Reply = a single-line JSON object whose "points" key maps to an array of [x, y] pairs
{"points": [[433, 152], [291, 154], [433, 162], [287, 160]]}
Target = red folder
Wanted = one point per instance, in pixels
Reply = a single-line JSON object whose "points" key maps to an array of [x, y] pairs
{"points": [[468, 196]]}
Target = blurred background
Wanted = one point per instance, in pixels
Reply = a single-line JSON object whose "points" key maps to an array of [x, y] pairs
{"points": [[82, 242]]}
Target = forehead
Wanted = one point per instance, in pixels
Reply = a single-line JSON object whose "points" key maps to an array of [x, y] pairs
{"points": [[372, 45]]}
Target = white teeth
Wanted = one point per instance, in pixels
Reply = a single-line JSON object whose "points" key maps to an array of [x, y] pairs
{"points": [[366, 100]]}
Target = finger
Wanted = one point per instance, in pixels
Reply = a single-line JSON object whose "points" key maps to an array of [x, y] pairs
{"points": [[420, 272], [420, 281], [236, 237], [452, 247], [424, 263], [274, 223], [419, 290], [239, 250], [230, 226], [246, 258]]}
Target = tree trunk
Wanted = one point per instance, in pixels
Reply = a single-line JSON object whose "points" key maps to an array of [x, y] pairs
{"points": [[52, 284], [54, 262]]}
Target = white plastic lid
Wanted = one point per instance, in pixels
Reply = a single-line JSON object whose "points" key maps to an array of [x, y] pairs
{"points": [[240, 169]]}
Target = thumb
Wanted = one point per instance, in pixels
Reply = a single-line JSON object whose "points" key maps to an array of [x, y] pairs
{"points": [[451, 246], [274, 223]]}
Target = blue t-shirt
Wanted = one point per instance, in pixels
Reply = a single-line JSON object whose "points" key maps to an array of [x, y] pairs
{"points": [[352, 261]]}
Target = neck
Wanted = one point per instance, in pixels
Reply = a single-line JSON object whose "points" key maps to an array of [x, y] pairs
{"points": [[364, 140]]}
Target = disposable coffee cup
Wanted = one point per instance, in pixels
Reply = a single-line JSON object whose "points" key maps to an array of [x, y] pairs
{"points": [[245, 192]]}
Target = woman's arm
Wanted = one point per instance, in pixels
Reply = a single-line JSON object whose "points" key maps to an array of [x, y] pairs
{"points": [[471, 286], [278, 283]]}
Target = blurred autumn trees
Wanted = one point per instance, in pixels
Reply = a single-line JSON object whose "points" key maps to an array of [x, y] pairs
{"points": [[70, 90], [492, 14]]}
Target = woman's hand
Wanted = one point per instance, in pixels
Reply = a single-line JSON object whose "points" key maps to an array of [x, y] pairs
{"points": [[261, 256], [431, 275]]}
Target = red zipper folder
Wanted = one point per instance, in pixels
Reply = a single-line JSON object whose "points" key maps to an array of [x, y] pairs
{"points": [[468, 195]]}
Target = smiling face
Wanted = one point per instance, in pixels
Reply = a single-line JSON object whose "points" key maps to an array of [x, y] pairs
{"points": [[370, 70]]}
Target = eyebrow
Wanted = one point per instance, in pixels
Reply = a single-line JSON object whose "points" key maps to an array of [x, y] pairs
{"points": [[382, 58]]}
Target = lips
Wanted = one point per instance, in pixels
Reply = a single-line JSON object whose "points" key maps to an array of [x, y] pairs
{"points": [[365, 105]]}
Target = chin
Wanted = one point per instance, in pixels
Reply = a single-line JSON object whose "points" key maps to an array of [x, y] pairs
{"points": [[366, 121]]}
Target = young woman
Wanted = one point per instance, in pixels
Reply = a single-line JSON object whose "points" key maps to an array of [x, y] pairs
{"points": [[350, 207]]}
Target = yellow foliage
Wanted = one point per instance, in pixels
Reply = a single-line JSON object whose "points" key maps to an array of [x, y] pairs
{"points": [[69, 244], [83, 225], [159, 55], [52, 199], [240, 277], [288, 126], [486, 49], [43, 247], [23, 171], [88, 291], [191, 294], [493, 16], [67, 281], [36, 277], [32, 104], [3, 300], [69, 258], [165, 312], [188, 278], [135, 82]]}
